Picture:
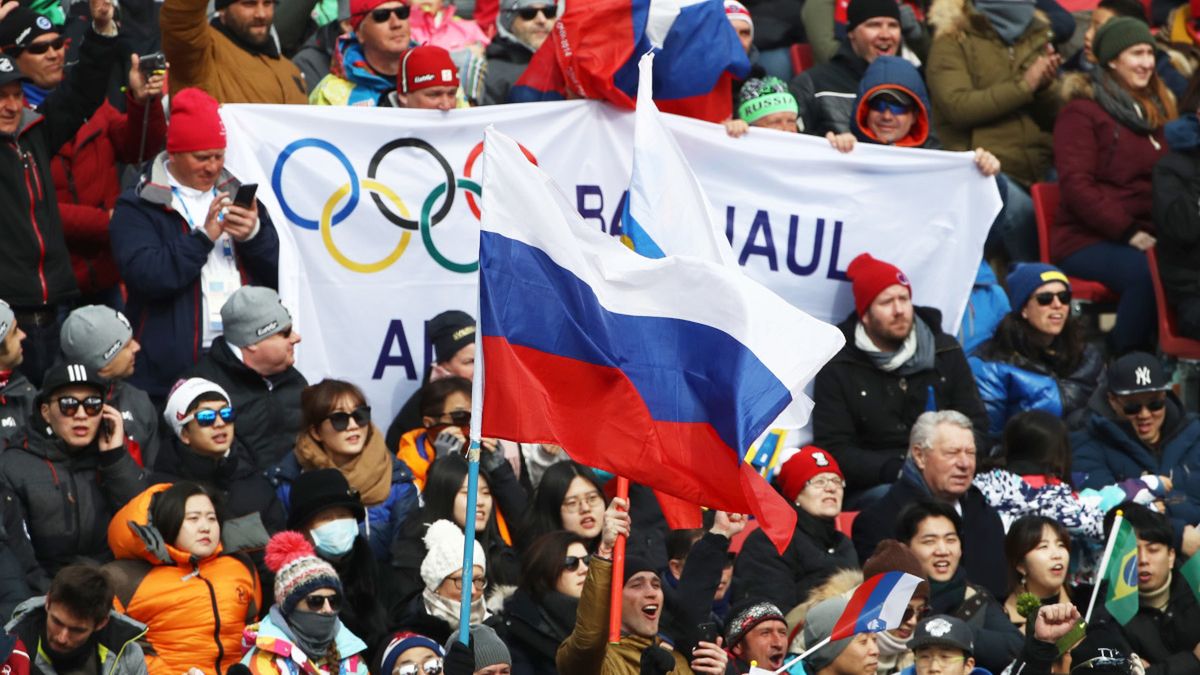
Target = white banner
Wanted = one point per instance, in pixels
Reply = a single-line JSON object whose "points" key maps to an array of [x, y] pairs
{"points": [[377, 212]]}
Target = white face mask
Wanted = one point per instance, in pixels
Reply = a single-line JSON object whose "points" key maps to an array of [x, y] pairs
{"points": [[336, 537]]}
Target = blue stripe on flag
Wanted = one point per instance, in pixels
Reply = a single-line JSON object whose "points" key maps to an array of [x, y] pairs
{"points": [[639, 239]]}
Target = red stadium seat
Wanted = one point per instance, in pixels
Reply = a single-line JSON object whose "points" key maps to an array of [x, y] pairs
{"points": [[844, 521], [1045, 206], [802, 58], [1169, 340]]}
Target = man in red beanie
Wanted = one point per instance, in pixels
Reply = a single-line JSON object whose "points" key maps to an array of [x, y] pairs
{"points": [[896, 364], [812, 482], [427, 79], [183, 246]]}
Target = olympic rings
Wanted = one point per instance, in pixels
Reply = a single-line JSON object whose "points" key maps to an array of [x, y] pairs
{"points": [[277, 182], [424, 145], [375, 188], [426, 224], [474, 155]]}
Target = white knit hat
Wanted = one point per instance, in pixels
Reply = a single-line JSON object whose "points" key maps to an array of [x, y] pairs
{"points": [[182, 395], [445, 540]]}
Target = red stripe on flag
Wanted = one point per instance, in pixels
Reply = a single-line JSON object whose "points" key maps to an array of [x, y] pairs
{"points": [[846, 623], [598, 416]]}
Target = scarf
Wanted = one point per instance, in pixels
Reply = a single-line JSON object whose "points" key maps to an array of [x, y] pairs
{"points": [[447, 610], [370, 472], [916, 354], [947, 596], [890, 646], [1158, 598], [1009, 18], [311, 632], [34, 95], [822, 531], [1119, 103]]}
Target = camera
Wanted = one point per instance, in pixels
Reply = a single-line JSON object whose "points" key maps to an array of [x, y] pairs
{"points": [[149, 64]]}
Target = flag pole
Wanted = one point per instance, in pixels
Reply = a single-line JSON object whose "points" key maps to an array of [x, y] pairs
{"points": [[808, 651], [468, 588], [1104, 560], [618, 573]]}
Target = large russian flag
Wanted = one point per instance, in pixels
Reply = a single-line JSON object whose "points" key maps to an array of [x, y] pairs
{"points": [[594, 49], [660, 370]]}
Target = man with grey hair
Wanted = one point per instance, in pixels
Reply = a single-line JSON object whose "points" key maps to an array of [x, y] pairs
{"points": [[521, 27], [941, 466], [17, 393]]}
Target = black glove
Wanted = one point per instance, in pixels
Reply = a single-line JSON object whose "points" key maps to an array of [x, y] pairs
{"points": [[657, 661], [460, 659]]}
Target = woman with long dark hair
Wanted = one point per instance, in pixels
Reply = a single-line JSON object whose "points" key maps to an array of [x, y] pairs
{"points": [[1038, 551], [1037, 359], [571, 498], [541, 613]]}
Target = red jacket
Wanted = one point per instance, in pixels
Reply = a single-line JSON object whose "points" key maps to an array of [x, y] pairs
{"points": [[87, 185], [1104, 172]]}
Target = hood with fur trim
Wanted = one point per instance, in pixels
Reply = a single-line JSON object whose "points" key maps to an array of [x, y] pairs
{"points": [[956, 17], [840, 583]]}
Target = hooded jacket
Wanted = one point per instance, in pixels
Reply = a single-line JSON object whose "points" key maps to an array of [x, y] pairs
{"points": [[271, 651], [893, 72], [1176, 190], [268, 408], [17, 398], [35, 266], [68, 495], [1104, 172], [1107, 451], [863, 415], [979, 94], [507, 59], [116, 643], [315, 57], [195, 609], [160, 258], [351, 80]]}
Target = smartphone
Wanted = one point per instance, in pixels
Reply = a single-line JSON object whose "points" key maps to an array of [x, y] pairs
{"points": [[245, 195], [707, 632], [106, 428]]}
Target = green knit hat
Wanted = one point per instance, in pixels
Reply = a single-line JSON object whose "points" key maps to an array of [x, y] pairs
{"points": [[761, 97], [1117, 35]]}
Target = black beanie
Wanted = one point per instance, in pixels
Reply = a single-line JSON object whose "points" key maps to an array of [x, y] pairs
{"points": [[861, 11], [635, 564], [449, 332]]}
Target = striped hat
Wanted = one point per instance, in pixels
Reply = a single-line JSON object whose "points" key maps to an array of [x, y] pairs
{"points": [[298, 570]]}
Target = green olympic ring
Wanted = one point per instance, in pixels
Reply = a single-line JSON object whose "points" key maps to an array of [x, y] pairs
{"points": [[427, 235]]}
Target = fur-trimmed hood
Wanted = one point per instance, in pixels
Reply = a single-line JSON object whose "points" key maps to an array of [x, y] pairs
{"points": [[955, 17], [1078, 86], [840, 583]]}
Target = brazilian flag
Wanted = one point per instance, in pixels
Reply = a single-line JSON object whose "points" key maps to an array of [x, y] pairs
{"points": [[1121, 573]]}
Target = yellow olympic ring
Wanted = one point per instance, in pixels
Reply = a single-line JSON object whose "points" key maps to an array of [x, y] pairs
{"points": [[326, 225]]}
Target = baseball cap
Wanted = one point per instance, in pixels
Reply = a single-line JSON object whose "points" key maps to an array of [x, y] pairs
{"points": [[9, 72], [943, 631], [1136, 373]]}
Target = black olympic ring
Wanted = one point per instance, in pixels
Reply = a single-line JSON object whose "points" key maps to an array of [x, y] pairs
{"points": [[407, 223]]}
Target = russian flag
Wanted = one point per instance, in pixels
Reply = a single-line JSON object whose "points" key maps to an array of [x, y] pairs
{"points": [[594, 48], [660, 370], [878, 604]]}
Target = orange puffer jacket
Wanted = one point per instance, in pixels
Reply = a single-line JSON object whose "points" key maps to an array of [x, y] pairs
{"points": [[195, 609]]}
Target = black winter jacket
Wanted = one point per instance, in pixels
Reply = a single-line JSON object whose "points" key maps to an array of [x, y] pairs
{"points": [[816, 551], [68, 497], [506, 61], [1176, 191], [268, 409], [534, 629], [863, 415], [141, 421], [20, 575], [1164, 639], [35, 267], [17, 399], [826, 92]]}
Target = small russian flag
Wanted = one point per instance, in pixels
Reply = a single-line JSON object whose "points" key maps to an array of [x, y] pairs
{"points": [[878, 604]]}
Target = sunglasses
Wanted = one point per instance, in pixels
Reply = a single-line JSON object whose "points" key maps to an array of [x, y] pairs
{"points": [[572, 562], [431, 667], [530, 13], [207, 418], [382, 15], [459, 418], [1045, 298], [69, 405], [316, 602], [881, 104], [909, 613], [43, 47], [340, 421], [1152, 406]]}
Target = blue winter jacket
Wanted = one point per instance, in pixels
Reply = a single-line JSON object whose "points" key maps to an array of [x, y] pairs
{"points": [[383, 521], [986, 306], [1106, 451], [160, 257]]}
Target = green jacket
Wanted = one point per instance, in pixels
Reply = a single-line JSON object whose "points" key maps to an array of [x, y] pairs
{"points": [[586, 650], [979, 94]]}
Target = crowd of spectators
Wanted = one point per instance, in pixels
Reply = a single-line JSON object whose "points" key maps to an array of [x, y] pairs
{"points": [[179, 499]]}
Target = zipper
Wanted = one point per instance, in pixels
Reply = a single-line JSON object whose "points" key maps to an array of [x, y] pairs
{"points": [[212, 596], [30, 165]]}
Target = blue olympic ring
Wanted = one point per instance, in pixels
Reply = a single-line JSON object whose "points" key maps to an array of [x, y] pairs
{"points": [[277, 182]]}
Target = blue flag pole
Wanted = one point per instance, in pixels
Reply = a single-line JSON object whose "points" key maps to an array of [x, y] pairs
{"points": [[468, 588]]}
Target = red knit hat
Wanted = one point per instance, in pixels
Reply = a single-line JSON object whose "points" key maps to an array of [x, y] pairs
{"points": [[195, 123], [871, 277], [426, 66], [359, 10], [802, 466]]}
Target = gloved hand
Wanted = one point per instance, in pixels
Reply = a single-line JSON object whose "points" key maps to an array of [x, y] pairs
{"points": [[460, 659], [656, 661], [447, 443], [153, 540], [910, 26]]}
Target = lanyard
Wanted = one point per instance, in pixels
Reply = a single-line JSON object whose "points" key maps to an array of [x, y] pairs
{"points": [[183, 203]]}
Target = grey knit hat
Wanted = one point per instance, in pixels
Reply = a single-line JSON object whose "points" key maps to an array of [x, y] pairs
{"points": [[7, 319], [489, 649], [818, 625], [93, 335], [253, 314]]}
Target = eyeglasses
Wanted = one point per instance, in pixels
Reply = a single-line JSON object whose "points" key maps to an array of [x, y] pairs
{"points": [[941, 661], [382, 15], [340, 421], [69, 405], [207, 418], [316, 602], [459, 418], [430, 667], [572, 562], [920, 613], [478, 583], [43, 47], [1046, 297], [529, 13], [826, 483], [881, 104], [1135, 408], [575, 504]]}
